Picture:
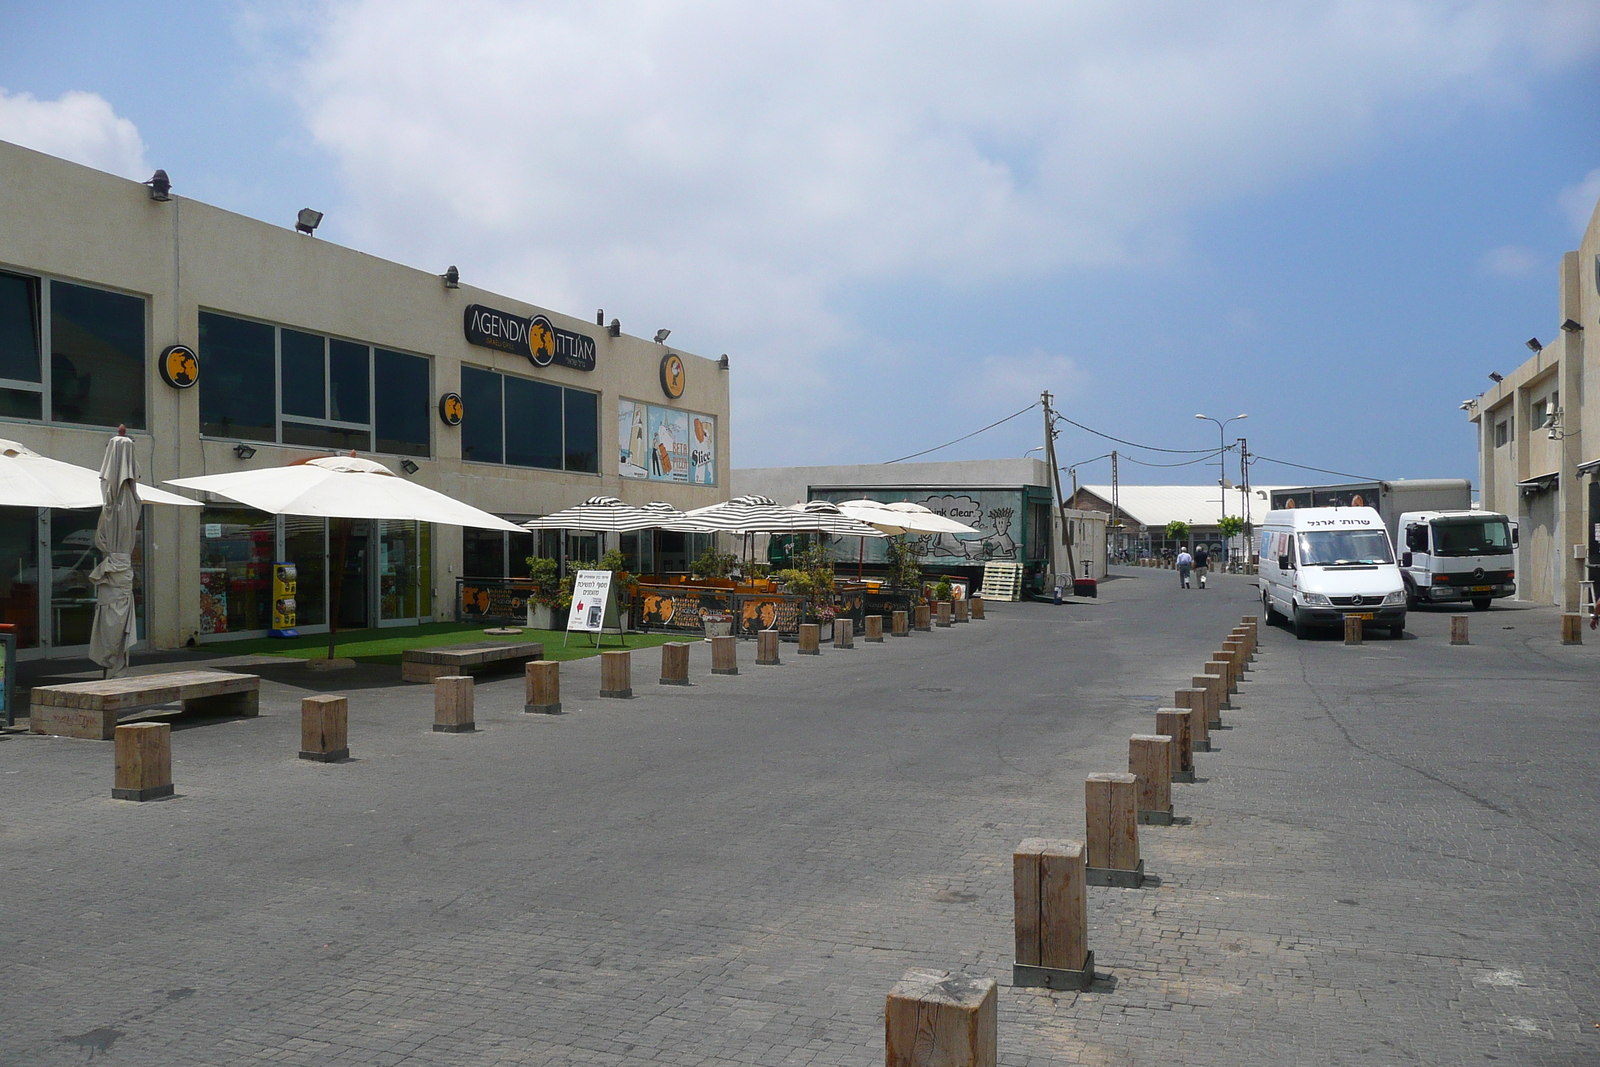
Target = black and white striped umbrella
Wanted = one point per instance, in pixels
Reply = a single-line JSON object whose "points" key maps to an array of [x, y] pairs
{"points": [[605, 514], [760, 514], [830, 518]]}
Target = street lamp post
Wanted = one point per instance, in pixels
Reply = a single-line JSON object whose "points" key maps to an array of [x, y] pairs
{"points": [[1222, 460]]}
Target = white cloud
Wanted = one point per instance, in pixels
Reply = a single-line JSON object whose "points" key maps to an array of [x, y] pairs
{"points": [[79, 126], [735, 170], [1508, 261], [1578, 201]]}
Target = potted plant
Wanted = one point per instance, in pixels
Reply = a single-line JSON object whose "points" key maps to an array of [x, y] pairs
{"points": [[624, 585], [548, 597]]}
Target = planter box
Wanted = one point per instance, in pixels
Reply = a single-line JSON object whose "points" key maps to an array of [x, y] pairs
{"points": [[541, 617], [717, 625]]}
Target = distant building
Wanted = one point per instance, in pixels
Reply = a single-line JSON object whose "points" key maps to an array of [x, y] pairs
{"points": [[1538, 457], [1138, 515]]}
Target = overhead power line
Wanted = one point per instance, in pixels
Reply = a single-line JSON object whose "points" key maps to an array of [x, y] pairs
{"points": [[974, 433], [1131, 444], [1214, 453], [1256, 457]]}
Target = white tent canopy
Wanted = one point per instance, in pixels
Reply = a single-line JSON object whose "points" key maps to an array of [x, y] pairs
{"points": [[902, 517], [342, 487], [29, 480]]}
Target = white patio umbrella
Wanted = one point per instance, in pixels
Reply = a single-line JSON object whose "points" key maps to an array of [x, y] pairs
{"points": [[918, 519], [830, 518], [341, 487], [115, 627], [29, 480]]}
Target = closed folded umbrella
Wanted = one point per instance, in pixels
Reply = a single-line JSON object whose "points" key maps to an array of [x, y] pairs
{"points": [[115, 627]]}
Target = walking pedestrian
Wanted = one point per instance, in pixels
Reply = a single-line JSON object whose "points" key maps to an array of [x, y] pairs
{"points": [[1202, 561], [1185, 561]]}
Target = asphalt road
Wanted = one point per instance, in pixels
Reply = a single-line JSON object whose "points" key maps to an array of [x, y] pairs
{"points": [[736, 872]]}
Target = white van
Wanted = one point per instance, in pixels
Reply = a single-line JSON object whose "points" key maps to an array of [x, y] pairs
{"points": [[1319, 565]]}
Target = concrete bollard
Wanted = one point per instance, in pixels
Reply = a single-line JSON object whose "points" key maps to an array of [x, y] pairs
{"points": [[944, 613], [960, 609], [1458, 630], [939, 1019], [616, 674], [1352, 630], [325, 728], [977, 607], [1052, 918], [1150, 757], [675, 663], [143, 761], [1112, 818], [874, 629], [810, 639], [767, 648], [452, 705], [844, 633], [542, 688], [1195, 702], [725, 655], [1175, 723], [923, 615], [1571, 628], [900, 624]]}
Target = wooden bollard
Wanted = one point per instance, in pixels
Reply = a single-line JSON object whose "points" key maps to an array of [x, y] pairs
{"points": [[452, 705], [874, 629], [924, 613], [977, 607], [1052, 918], [1150, 757], [725, 655], [1458, 630], [960, 609], [1214, 699], [1571, 628], [325, 728], [1175, 723], [1352, 630], [844, 633], [810, 639], [542, 688], [1234, 649], [939, 1019], [1112, 818], [767, 648], [616, 674], [944, 616], [675, 663], [1194, 701], [1219, 670], [900, 624], [143, 761], [1227, 669]]}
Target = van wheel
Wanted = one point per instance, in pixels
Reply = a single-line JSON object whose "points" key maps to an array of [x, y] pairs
{"points": [[1301, 629], [1273, 618], [1482, 603], [1397, 631]]}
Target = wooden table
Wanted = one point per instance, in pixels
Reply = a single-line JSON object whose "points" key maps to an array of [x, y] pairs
{"points": [[426, 664], [91, 709]]}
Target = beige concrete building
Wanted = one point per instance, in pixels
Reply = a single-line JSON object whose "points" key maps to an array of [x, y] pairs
{"points": [[302, 348], [1539, 442]]}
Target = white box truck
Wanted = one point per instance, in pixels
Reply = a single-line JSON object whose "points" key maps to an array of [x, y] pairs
{"points": [[1320, 565], [1453, 556]]}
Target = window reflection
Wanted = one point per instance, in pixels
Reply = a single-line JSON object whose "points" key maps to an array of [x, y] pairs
{"points": [[236, 549], [349, 382], [72, 558], [96, 357], [19, 573], [481, 429], [236, 394], [303, 374], [305, 544], [401, 405], [19, 327]]}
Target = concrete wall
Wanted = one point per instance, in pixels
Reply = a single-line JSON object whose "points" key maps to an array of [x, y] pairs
{"points": [[790, 485], [71, 222]]}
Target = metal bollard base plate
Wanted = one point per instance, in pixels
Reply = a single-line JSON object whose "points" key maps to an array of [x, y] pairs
{"points": [[676, 681], [1203, 746], [1025, 976], [1155, 818], [874, 640], [455, 727], [327, 757], [155, 792], [724, 670], [906, 634], [1186, 777], [769, 662], [542, 709], [620, 694], [1116, 877], [810, 651]]}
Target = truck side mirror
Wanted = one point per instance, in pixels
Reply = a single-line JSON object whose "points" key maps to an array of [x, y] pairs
{"points": [[1513, 536], [1405, 559], [1283, 562]]}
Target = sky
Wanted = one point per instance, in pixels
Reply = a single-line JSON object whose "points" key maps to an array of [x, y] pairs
{"points": [[903, 221]]}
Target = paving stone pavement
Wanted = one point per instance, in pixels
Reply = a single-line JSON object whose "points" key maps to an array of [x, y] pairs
{"points": [[1391, 859]]}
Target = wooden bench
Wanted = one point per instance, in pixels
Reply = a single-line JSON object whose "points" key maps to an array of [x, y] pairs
{"points": [[426, 664], [91, 709]]}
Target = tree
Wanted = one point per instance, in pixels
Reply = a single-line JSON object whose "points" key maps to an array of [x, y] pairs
{"points": [[1177, 531], [1231, 526]]}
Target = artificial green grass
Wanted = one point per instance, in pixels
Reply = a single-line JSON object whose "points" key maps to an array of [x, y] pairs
{"points": [[387, 645]]}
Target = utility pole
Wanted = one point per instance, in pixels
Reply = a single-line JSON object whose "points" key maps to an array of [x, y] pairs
{"points": [[1055, 471], [1116, 501], [1244, 496]]}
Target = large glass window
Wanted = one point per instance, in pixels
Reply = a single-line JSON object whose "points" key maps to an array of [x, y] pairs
{"points": [[236, 550], [305, 544], [331, 393], [528, 423], [397, 574], [96, 356], [19, 347], [19, 573], [72, 557]]}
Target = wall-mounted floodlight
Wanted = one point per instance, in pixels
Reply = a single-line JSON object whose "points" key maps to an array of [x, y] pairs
{"points": [[1572, 326], [600, 316], [1496, 377], [409, 467], [451, 277], [1533, 345], [662, 335], [722, 364], [615, 329], [243, 451], [160, 186], [308, 220]]}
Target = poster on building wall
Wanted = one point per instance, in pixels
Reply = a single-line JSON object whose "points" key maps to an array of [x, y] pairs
{"points": [[997, 515], [284, 581], [661, 444]]}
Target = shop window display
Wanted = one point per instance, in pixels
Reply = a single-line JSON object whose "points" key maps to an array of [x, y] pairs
{"points": [[19, 573], [236, 557]]}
